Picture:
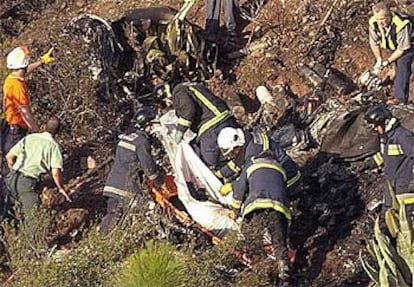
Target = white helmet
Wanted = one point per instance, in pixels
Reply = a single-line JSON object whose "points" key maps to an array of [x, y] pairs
{"points": [[18, 58], [230, 138]]}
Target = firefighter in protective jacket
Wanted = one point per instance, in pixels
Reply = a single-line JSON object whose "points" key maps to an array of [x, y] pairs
{"points": [[241, 146], [259, 196], [133, 156], [199, 110], [396, 154]]}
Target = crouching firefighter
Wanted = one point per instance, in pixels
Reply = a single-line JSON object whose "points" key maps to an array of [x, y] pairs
{"points": [[395, 155], [198, 109], [259, 197], [240, 146], [132, 158]]}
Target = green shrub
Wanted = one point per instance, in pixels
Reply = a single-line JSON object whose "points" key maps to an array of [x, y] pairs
{"points": [[157, 264], [394, 259]]}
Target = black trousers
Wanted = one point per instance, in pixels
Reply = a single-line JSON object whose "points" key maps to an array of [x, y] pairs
{"points": [[275, 223]]}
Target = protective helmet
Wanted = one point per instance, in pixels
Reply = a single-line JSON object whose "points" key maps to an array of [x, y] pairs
{"points": [[230, 138], [163, 90], [18, 58], [144, 116], [377, 115]]}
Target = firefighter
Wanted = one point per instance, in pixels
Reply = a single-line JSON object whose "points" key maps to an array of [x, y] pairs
{"points": [[393, 32], [198, 109], [32, 156], [239, 146], [16, 100], [212, 25], [133, 157], [395, 155], [259, 197]]}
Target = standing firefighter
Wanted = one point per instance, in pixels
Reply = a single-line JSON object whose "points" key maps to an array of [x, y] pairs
{"points": [[212, 26], [240, 146], [259, 196], [133, 156], [16, 100], [396, 154], [32, 156], [198, 109], [393, 32]]}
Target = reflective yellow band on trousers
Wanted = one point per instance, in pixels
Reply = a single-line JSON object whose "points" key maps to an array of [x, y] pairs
{"points": [[267, 204]]}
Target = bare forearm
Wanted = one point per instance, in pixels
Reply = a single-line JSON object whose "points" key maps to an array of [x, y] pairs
{"points": [[58, 178], [395, 56], [29, 119], [376, 51], [11, 159], [34, 66]]}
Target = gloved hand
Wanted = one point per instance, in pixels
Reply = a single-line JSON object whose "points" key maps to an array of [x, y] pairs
{"points": [[226, 189], [219, 174], [377, 67], [47, 58], [234, 213], [178, 137], [385, 63]]}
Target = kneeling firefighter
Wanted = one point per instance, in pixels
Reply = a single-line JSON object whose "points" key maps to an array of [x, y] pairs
{"points": [[240, 146], [133, 157]]}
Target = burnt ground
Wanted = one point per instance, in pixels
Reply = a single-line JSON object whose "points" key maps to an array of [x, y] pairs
{"points": [[331, 221]]}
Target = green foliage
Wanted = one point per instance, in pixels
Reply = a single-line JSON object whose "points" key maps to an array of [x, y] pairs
{"points": [[395, 261], [93, 262], [157, 264]]}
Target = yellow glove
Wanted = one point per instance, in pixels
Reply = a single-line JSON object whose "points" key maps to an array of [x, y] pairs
{"points": [[226, 189], [47, 58], [233, 214], [219, 174]]}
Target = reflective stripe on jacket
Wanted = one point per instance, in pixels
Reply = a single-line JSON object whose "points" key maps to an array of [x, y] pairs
{"points": [[397, 24], [261, 185], [256, 143], [133, 153], [397, 155], [198, 108]]}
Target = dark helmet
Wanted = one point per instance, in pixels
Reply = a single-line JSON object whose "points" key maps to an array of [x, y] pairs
{"points": [[378, 115], [163, 91], [144, 116]]}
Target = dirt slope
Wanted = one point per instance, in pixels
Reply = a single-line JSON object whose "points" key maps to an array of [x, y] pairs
{"points": [[332, 223]]}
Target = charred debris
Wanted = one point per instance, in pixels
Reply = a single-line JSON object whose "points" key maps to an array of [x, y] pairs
{"points": [[109, 68]]}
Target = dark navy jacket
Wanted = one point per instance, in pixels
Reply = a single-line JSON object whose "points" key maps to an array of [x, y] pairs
{"points": [[198, 108], [261, 185], [397, 156], [133, 153], [256, 143]]}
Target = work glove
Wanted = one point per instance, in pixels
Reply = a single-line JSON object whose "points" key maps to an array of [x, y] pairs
{"points": [[178, 137], [234, 213], [47, 58], [378, 66], [226, 189], [219, 174]]}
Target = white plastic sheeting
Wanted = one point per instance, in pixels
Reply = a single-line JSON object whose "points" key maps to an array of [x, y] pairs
{"points": [[188, 167]]}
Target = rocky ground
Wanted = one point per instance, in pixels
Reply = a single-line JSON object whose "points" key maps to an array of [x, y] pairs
{"points": [[331, 223]]}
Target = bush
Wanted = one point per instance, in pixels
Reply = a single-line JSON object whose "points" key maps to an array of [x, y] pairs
{"points": [[157, 264], [394, 254]]}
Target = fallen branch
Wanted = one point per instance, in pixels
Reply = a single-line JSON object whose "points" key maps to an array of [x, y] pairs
{"points": [[87, 174], [323, 22]]}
